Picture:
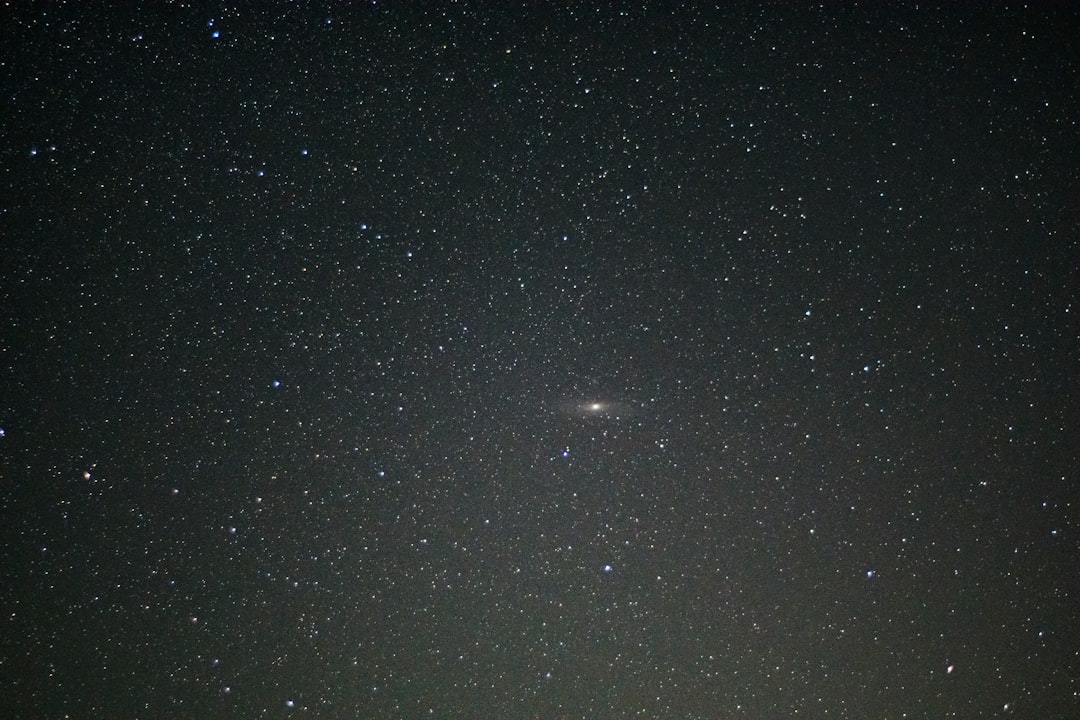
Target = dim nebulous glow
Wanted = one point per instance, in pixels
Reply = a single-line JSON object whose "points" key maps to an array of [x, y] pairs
{"points": [[584, 360], [599, 409]]}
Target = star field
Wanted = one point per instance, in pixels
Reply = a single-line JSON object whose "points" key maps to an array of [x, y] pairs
{"points": [[386, 361]]}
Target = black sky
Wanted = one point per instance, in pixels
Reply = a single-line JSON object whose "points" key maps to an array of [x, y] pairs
{"points": [[477, 360]]}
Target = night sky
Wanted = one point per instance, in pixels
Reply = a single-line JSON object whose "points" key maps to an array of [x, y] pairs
{"points": [[499, 361]]}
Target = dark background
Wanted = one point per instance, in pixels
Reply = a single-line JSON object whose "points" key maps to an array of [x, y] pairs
{"points": [[304, 311]]}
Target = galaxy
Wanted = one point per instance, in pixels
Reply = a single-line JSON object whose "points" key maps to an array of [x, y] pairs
{"points": [[540, 360], [601, 409]]}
